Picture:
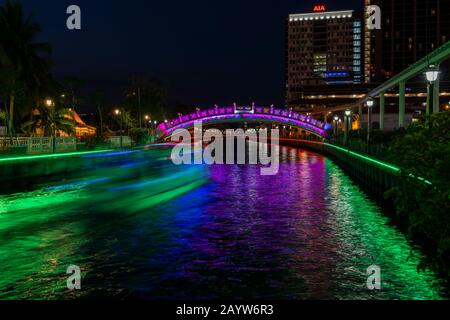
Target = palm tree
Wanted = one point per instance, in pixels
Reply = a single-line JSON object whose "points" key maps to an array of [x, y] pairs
{"points": [[51, 120], [28, 60]]}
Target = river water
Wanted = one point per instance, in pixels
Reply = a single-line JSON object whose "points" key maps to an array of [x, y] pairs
{"points": [[143, 228]]}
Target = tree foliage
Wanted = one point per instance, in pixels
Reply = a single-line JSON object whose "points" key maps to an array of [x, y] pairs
{"points": [[26, 62], [51, 121], [423, 151]]}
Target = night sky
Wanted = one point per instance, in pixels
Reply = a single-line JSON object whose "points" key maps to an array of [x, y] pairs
{"points": [[207, 52]]}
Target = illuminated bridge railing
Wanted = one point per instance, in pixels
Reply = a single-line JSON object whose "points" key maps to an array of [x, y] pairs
{"points": [[245, 114]]}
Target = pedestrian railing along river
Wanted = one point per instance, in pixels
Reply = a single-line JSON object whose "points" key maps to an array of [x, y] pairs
{"points": [[48, 145], [375, 150]]}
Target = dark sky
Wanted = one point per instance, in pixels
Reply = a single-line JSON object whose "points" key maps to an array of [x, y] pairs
{"points": [[207, 51]]}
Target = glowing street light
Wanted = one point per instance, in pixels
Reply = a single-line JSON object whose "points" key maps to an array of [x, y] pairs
{"points": [[432, 75], [49, 103], [117, 112], [336, 124], [348, 114]]}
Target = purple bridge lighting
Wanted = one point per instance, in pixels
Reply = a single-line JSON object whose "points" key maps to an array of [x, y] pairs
{"points": [[244, 114]]}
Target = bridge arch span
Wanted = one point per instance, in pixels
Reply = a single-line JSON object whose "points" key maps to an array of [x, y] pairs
{"points": [[219, 115]]}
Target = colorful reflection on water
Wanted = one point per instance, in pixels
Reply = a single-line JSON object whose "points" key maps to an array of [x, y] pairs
{"points": [[144, 228]]}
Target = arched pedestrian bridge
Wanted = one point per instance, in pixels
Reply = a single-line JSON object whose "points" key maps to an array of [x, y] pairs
{"points": [[250, 114]]}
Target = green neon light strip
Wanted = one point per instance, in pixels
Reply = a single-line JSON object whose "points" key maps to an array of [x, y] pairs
{"points": [[377, 162], [53, 156]]}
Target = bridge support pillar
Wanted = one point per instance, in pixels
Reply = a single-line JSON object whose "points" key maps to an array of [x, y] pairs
{"points": [[436, 104], [382, 109], [401, 105], [360, 116]]}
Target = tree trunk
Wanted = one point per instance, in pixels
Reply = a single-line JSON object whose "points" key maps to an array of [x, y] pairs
{"points": [[101, 120], [11, 113]]}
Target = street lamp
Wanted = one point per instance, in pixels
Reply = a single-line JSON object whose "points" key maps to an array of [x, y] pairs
{"points": [[147, 119], [117, 112], [49, 103], [369, 104], [348, 114], [335, 126], [432, 75]]}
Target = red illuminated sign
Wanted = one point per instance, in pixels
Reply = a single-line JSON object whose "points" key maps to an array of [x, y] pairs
{"points": [[320, 8]]}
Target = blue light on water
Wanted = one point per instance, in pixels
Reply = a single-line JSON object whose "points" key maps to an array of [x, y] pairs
{"points": [[111, 154], [76, 184]]}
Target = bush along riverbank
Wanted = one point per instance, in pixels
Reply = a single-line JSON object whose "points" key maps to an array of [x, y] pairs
{"points": [[423, 197]]}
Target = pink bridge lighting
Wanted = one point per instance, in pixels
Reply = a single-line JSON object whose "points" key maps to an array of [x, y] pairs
{"points": [[244, 114]]}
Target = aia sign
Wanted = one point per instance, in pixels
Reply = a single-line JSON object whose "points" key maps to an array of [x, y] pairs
{"points": [[320, 8]]}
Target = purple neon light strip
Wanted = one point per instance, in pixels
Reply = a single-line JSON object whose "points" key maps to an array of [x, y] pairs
{"points": [[282, 114], [298, 123]]}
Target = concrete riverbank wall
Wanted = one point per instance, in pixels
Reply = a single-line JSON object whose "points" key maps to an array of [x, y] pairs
{"points": [[375, 175], [17, 171]]}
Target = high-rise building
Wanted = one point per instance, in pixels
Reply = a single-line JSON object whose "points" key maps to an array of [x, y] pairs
{"points": [[324, 58], [410, 29]]}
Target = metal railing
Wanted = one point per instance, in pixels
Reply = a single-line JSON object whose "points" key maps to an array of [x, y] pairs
{"points": [[42, 145], [120, 142], [376, 150], [6, 142]]}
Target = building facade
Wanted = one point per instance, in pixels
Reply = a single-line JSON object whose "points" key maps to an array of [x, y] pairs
{"points": [[324, 58], [410, 29]]}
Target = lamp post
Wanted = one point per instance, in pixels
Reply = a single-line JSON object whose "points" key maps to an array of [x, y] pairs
{"points": [[147, 118], [51, 105], [117, 112], [432, 75], [369, 104], [348, 114], [335, 125]]}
